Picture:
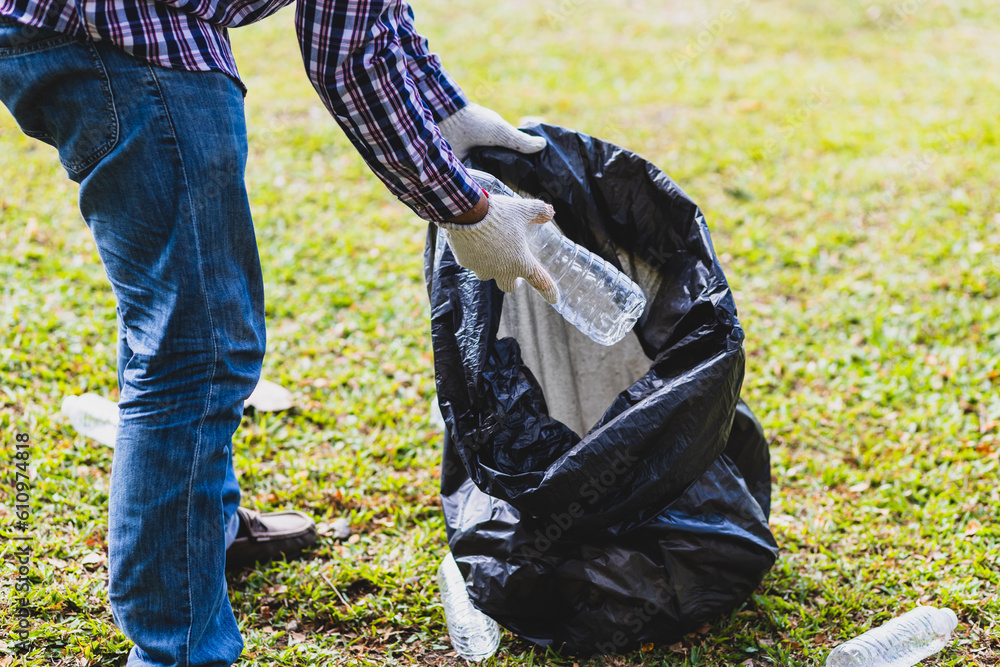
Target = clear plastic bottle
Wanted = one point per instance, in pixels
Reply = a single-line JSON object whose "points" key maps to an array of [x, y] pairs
{"points": [[97, 417], [93, 416], [474, 635], [902, 642], [268, 397], [594, 296]]}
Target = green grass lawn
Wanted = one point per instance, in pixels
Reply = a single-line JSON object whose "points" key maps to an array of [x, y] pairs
{"points": [[845, 156]]}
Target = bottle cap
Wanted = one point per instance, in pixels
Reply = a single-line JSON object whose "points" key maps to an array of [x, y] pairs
{"points": [[952, 618]]}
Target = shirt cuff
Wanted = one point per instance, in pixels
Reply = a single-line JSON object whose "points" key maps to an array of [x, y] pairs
{"points": [[452, 196]]}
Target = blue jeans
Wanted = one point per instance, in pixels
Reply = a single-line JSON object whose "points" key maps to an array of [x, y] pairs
{"points": [[159, 155]]}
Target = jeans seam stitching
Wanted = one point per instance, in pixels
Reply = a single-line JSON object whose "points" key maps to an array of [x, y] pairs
{"points": [[215, 357], [50, 43]]}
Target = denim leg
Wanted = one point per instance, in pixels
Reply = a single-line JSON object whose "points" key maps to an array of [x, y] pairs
{"points": [[231, 487], [185, 268], [160, 155]]}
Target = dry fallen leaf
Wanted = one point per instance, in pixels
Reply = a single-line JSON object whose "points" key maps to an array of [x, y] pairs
{"points": [[341, 528], [92, 559]]}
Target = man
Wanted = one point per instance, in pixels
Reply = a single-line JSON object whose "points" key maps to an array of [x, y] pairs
{"points": [[143, 102]]}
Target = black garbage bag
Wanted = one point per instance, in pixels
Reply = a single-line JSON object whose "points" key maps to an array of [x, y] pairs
{"points": [[655, 520]]}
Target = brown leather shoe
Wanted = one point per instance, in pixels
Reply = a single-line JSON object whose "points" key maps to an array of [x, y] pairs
{"points": [[265, 537]]}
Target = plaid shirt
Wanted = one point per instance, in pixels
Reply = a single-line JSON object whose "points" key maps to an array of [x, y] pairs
{"points": [[373, 71]]}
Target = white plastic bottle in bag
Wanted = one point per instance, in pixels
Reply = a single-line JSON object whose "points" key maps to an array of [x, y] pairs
{"points": [[594, 296]]}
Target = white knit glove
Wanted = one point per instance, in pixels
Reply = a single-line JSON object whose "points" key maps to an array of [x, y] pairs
{"points": [[474, 125], [497, 247]]}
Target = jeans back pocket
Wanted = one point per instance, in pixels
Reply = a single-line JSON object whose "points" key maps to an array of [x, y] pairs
{"points": [[58, 90]]}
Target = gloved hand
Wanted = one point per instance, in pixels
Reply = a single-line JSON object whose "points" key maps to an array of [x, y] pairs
{"points": [[497, 247], [474, 125]]}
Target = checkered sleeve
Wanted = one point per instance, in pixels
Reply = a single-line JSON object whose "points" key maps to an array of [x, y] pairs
{"points": [[353, 53], [226, 13], [440, 92]]}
